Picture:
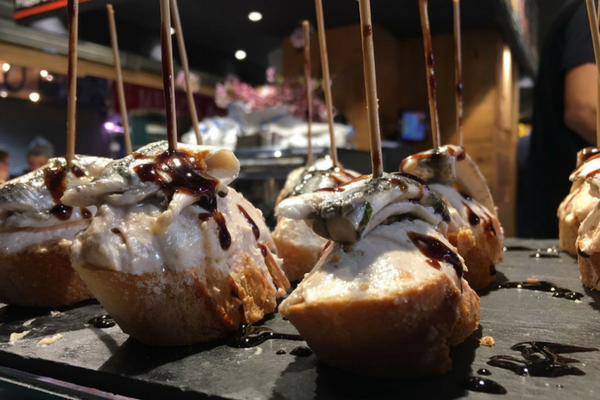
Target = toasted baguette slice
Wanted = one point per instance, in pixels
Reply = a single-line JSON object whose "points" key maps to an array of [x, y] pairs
{"points": [[298, 246], [382, 307], [41, 275]]}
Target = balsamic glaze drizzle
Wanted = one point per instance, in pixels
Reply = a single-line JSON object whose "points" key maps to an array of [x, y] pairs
{"points": [[301, 351], [248, 219], [435, 250], [251, 336], [484, 385], [541, 359], [101, 322], [543, 286]]}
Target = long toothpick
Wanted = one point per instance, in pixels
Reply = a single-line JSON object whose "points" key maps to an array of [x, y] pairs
{"points": [[326, 79], [73, 21], [167, 71], [593, 18], [120, 91], [186, 69], [429, 69], [371, 86], [458, 72], [308, 82]]}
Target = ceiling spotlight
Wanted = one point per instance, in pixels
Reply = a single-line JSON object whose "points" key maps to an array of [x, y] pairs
{"points": [[255, 16], [240, 54], [5, 67], [49, 78], [3, 94], [43, 73], [172, 31], [34, 96]]}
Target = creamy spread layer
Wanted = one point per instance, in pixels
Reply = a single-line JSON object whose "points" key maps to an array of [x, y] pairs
{"points": [[31, 209], [386, 262]]}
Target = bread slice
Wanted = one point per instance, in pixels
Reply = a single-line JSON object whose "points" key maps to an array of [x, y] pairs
{"points": [[299, 247], [383, 308], [41, 275]]}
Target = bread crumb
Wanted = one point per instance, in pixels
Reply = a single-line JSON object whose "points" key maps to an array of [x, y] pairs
{"points": [[49, 340], [532, 280], [487, 341], [16, 336], [27, 323]]}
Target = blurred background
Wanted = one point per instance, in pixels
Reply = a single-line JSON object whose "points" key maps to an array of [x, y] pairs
{"points": [[246, 59]]}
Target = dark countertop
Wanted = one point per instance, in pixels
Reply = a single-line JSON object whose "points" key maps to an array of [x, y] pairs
{"points": [[108, 360]]}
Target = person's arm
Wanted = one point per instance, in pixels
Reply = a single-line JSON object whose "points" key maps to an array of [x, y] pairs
{"points": [[581, 100]]}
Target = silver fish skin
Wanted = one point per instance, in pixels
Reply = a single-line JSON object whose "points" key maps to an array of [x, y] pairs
{"points": [[119, 184], [451, 165], [349, 212], [29, 193]]}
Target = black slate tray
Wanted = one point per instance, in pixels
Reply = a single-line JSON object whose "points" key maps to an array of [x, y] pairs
{"points": [[110, 361]]}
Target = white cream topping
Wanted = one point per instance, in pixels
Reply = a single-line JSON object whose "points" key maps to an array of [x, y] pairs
{"points": [[385, 262], [124, 238], [578, 204], [589, 235]]}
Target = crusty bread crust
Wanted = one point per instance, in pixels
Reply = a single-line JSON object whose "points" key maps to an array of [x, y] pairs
{"points": [[385, 337], [298, 246], [567, 235], [41, 275], [589, 270], [176, 308], [481, 252]]}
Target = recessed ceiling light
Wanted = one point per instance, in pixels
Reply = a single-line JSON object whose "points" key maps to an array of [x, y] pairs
{"points": [[172, 31], [34, 96], [255, 16], [43, 73], [49, 78], [240, 54], [3, 94], [5, 67]]}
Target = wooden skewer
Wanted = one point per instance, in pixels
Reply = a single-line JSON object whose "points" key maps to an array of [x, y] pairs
{"points": [[458, 72], [73, 21], [326, 79], [429, 69], [167, 71], [593, 18], [186, 69], [308, 82], [120, 91], [371, 86]]}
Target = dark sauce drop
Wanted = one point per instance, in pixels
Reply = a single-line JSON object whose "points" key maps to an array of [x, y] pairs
{"points": [[483, 371], [301, 351], [62, 212], [517, 248], [473, 218], [78, 172], [551, 252], [251, 336], [250, 221], [102, 322], [436, 250], [56, 182], [85, 213], [541, 359], [484, 385], [581, 253], [588, 153], [544, 286], [224, 236], [280, 352]]}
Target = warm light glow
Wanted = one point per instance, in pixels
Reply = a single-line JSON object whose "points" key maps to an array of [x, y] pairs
{"points": [[3, 94], [507, 60], [277, 154], [5, 67], [109, 126], [34, 96], [50, 78], [172, 31], [43, 73], [240, 54], [255, 16]]}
